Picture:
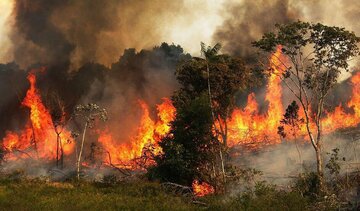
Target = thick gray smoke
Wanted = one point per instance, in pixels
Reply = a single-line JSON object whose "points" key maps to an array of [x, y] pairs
{"points": [[84, 45], [281, 163], [77, 32], [246, 21]]}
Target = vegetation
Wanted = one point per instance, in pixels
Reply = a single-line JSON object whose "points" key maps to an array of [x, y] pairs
{"points": [[204, 103], [196, 147], [315, 55], [190, 147], [39, 194], [42, 195], [87, 113]]}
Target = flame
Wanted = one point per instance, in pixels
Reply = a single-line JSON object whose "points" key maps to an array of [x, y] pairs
{"points": [[250, 128], [202, 189], [38, 137], [247, 126], [149, 133]]}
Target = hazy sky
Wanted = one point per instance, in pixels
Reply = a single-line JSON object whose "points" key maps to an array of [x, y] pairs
{"points": [[99, 32]]}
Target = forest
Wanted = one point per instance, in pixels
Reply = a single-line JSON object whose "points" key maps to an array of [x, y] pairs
{"points": [[262, 117]]}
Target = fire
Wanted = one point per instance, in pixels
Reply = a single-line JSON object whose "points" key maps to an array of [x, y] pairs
{"points": [[148, 134], [38, 138], [250, 128], [202, 189], [247, 126]]}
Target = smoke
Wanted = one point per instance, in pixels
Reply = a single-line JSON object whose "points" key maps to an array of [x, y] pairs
{"points": [[13, 80], [77, 32], [147, 75], [89, 49], [246, 21], [38, 39], [281, 163]]}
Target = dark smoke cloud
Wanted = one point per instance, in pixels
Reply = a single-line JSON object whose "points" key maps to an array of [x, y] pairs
{"points": [[147, 75], [13, 87], [245, 22], [37, 38], [77, 32]]}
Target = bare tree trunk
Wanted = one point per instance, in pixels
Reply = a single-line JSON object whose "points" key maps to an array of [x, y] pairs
{"points": [[222, 166], [298, 150], [57, 148], [34, 141], [61, 155], [209, 92], [317, 146], [81, 150], [319, 162], [319, 159]]}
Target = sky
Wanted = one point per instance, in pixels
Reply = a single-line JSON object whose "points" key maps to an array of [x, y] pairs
{"points": [[99, 32]]}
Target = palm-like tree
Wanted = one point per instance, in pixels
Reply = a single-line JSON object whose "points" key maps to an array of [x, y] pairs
{"points": [[210, 55]]}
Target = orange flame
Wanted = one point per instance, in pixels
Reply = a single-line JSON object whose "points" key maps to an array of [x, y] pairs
{"points": [[38, 136], [149, 134], [202, 189], [247, 126]]}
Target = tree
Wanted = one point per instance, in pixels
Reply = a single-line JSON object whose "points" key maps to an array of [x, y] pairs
{"points": [[214, 79], [57, 111], [293, 121], [87, 113], [314, 56], [223, 76], [190, 148]]}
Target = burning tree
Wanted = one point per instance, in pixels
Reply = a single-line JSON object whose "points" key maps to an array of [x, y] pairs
{"points": [[88, 113], [57, 111], [190, 148], [214, 79], [221, 76], [314, 56]]}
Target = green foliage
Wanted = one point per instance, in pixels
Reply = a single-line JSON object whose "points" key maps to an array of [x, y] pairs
{"points": [[262, 197], [209, 52], [331, 49], [191, 150], [292, 119], [308, 185], [228, 75], [313, 56], [188, 149], [333, 163], [40, 195], [246, 178]]}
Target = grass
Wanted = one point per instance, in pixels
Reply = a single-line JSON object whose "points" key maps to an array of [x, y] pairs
{"points": [[36, 194], [40, 195]]}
